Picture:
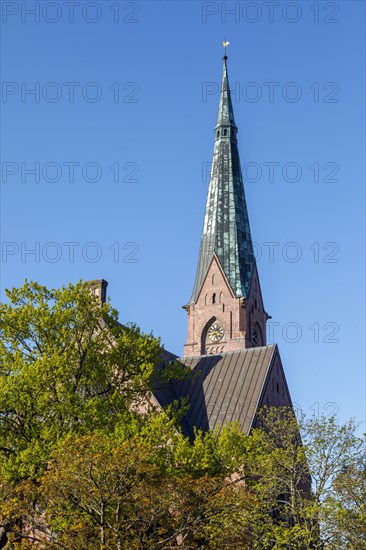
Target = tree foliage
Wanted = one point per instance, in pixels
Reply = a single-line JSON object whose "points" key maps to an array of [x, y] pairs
{"points": [[88, 462], [66, 366]]}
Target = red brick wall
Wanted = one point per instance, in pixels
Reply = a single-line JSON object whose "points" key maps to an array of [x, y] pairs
{"points": [[237, 316]]}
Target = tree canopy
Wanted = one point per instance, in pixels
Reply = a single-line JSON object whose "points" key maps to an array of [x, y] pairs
{"points": [[88, 461]]}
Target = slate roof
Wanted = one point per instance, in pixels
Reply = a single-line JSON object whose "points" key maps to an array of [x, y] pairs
{"points": [[226, 230], [223, 388]]}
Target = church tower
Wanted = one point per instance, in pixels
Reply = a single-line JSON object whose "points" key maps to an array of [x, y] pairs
{"points": [[236, 372], [226, 311]]}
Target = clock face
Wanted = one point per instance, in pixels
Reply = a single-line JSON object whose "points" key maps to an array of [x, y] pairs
{"points": [[215, 332]]}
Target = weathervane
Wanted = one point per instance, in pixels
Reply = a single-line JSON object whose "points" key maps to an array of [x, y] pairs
{"points": [[225, 44]]}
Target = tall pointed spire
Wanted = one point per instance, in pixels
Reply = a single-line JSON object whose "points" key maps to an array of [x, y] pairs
{"points": [[226, 113], [226, 230]]}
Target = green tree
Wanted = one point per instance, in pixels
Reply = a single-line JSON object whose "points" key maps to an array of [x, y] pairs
{"points": [[66, 365], [284, 516], [349, 503], [336, 457], [311, 488], [101, 493], [87, 461]]}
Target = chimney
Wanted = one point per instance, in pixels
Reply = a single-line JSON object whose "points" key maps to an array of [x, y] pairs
{"points": [[99, 289]]}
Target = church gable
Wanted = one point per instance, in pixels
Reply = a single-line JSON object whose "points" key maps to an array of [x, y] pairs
{"points": [[215, 287], [256, 315], [275, 392], [216, 320], [255, 291]]}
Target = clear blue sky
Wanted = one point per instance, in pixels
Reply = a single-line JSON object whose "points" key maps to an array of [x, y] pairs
{"points": [[138, 88]]}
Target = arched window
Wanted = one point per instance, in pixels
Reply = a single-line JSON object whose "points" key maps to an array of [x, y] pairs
{"points": [[257, 338], [218, 133], [206, 299], [213, 278], [225, 132], [278, 388], [214, 298], [221, 297]]}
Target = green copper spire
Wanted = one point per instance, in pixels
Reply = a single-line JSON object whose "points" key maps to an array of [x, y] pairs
{"points": [[226, 230], [226, 113]]}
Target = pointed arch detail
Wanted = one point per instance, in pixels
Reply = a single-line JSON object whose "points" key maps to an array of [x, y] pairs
{"points": [[204, 334]]}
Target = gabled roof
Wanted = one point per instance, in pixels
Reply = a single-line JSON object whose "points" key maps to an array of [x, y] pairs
{"points": [[226, 230], [226, 387]]}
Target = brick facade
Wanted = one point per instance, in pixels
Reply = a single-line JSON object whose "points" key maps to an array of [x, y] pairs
{"points": [[238, 317]]}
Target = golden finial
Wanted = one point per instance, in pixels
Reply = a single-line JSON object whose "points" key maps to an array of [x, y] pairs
{"points": [[225, 44]]}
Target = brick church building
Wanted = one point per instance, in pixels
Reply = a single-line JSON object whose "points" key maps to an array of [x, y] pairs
{"points": [[237, 372]]}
